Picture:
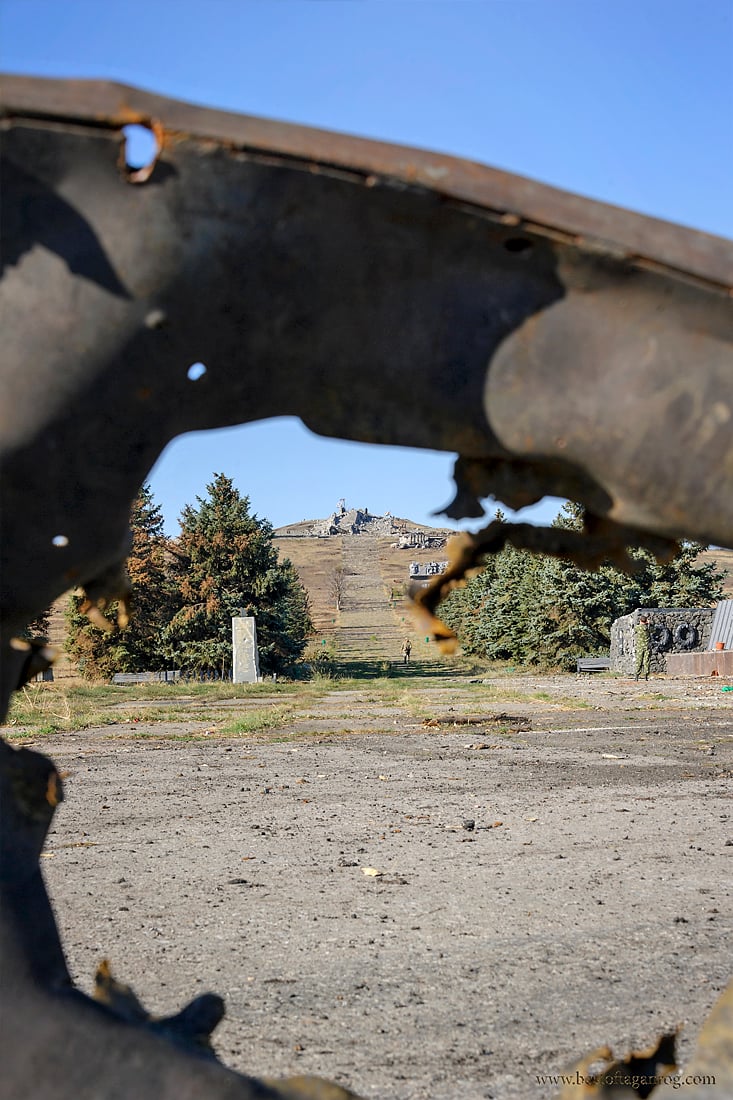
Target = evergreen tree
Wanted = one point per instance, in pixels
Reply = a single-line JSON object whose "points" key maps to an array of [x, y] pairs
{"points": [[679, 582], [138, 646], [490, 613], [226, 565], [537, 609]]}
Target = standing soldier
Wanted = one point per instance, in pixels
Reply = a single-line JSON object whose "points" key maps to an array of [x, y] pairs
{"points": [[643, 644], [406, 651]]}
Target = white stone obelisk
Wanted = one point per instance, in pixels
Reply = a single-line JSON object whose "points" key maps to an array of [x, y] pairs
{"points": [[245, 657]]}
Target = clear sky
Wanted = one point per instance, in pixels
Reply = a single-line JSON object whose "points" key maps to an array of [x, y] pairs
{"points": [[629, 101]]}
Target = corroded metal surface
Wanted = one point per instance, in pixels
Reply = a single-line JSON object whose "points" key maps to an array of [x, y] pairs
{"points": [[654, 1072], [557, 345]]}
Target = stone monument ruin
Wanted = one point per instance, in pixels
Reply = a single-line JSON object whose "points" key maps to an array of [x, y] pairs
{"points": [[672, 630]]}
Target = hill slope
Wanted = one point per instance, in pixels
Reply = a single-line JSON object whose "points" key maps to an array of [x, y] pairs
{"points": [[374, 618]]}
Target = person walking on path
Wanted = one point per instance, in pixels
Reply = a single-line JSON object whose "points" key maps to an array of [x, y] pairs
{"points": [[406, 651], [643, 644]]}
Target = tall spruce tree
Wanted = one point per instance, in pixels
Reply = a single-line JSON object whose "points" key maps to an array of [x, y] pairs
{"points": [[225, 564], [153, 597]]}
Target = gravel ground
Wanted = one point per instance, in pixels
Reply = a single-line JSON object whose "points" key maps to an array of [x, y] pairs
{"points": [[548, 882]]}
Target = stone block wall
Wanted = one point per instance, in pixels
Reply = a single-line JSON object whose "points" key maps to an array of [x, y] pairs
{"points": [[672, 629]]}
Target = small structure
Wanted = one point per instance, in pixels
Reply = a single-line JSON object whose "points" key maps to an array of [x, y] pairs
{"points": [[166, 676], [592, 664], [245, 655], [721, 634], [673, 631], [426, 569], [420, 540]]}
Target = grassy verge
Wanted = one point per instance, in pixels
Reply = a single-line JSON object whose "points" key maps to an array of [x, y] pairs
{"points": [[243, 709], [43, 709], [258, 720]]}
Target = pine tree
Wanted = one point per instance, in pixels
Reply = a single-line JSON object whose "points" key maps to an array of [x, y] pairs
{"points": [[491, 612], [138, 646], [226, 565]]}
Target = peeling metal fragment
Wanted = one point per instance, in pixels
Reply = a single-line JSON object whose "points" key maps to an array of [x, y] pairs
{"points": [[655, 1073], [118, 997], [712, 1062], [636, 1075], [113, 585], [191, 1027], [38, 656]]}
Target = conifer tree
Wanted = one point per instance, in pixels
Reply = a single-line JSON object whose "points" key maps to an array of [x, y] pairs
{"points": [[138, 647], [537, 609], [226, 565]]}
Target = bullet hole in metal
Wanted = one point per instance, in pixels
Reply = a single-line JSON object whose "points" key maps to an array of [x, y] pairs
{"points": [[156, 318], [196, 371], [140, 152], [517, 244], [59, 540]]}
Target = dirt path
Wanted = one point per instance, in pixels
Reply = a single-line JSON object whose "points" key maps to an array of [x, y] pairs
{"points": [[590, 902]]}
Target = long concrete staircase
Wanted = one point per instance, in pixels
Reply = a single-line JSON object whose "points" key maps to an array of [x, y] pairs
{"points": [[367, 627], [371, 627]]}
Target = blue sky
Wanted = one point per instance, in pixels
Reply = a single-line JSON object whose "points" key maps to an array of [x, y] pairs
{"points": [[629, 102]]}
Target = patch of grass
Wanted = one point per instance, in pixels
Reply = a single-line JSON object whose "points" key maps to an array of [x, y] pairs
{"points": [[569, 702], [258, 720], [496, 693], [39, 710], [654, 700]]}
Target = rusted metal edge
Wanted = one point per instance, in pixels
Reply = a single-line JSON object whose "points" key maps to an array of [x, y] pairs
{"points": [[620, 233]]}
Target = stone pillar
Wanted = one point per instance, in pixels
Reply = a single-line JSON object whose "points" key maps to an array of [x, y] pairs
{"points": [[245, 656]]}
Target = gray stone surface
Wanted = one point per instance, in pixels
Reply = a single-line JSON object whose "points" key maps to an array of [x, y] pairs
{"points": [[245, 656], [667, 627]]}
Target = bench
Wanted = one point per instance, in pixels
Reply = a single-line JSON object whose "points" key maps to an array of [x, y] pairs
{"points": [[171, 676], [593, 664]]}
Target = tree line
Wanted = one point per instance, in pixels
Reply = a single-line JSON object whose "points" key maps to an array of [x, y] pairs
{"points": [[185, 591], [538, 610], [523, 608]]}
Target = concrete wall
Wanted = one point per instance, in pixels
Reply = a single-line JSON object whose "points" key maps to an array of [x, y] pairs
{"points": [[665, 625], [711, 663]]}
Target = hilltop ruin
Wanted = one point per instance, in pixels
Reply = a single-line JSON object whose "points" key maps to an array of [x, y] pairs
{"points": [[360, 521]]}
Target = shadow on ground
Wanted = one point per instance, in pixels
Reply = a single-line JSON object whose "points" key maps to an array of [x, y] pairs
{"points": [[370, 669]]}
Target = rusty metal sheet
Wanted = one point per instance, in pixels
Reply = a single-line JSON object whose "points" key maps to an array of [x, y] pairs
{"points": [[557, 345]]}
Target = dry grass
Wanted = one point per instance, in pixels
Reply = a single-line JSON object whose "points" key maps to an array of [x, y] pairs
{"points": [[315, 561], [724, 562]]}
